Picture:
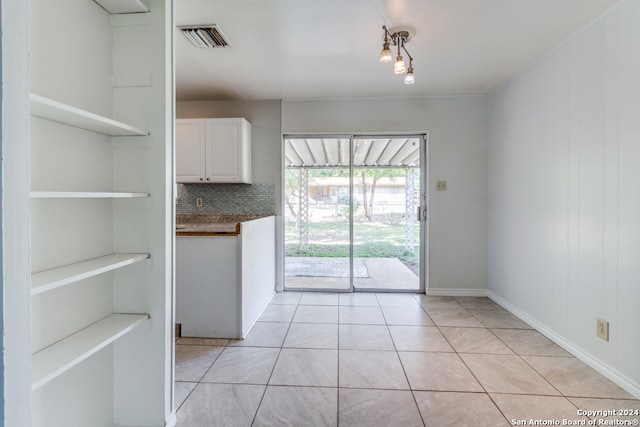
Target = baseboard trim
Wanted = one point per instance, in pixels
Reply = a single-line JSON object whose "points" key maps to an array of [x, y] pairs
{"points": [[448, 292], [605, 369]]}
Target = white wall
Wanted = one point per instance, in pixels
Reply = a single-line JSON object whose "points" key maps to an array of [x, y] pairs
{"points": [[457, 128], [564, 211], [15, 351]]}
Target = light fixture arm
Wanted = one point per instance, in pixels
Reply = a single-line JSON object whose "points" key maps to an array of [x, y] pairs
{"points": [[407, 52], [388, 35]]}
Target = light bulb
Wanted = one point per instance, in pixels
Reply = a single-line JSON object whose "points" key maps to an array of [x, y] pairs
{"points": [[409, 79], [386, 55], [399, 67]]}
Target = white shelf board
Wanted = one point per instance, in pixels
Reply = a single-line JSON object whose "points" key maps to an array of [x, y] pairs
{"points": [[51, 279], [85, 195], [65, 354], [116, 7], [72, 116]]}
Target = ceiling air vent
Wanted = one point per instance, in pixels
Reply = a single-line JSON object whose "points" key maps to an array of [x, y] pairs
{"points": [[205, 36]]}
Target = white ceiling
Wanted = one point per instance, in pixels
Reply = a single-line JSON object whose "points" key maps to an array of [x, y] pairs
{"points": [[311, 49]]}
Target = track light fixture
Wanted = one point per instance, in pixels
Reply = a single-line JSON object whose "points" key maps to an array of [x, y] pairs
{"points": [[398, 37]]}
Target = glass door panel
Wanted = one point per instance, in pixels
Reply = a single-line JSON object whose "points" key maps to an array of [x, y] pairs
{"points": [[386, 227], [317, 213]]}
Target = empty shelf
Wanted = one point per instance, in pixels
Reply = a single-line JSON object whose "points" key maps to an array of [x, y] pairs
{"points": [[72, 116], [116, 7], [65, 354], [61, 276], [85, 195]]}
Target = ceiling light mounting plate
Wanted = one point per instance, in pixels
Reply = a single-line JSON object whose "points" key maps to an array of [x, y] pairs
{"points": [[403, 32]]}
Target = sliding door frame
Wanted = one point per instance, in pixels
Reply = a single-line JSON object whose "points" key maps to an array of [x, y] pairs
{"points": [[423, 215]]}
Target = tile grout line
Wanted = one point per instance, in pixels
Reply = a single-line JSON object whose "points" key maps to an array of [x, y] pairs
{"points": [[520, 357], [338, 368], [486, 393], [266, 386], [404, 371], [562, 395]]}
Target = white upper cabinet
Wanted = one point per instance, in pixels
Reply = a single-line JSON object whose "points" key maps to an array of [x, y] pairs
{"points": [[213, 151], [190, 150]]}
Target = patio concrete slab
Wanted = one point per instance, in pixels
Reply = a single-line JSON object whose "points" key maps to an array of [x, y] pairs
{"points": [[383, 273]]}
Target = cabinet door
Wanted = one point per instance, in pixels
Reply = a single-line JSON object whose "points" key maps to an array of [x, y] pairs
{"points": [[226, 150], [190, 150]]}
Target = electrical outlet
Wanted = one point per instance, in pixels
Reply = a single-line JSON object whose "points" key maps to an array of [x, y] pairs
{"points": [[199, 202], [602, 329], [441, 185]]}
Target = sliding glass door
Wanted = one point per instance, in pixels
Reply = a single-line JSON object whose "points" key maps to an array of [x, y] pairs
{"points": [[353, 212]]}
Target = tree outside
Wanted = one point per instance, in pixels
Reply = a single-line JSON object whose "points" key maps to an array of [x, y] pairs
{"points": [[379, 212]]}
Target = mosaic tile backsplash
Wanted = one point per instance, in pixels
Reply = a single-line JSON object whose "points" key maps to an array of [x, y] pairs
{"points": [[226, 199]]}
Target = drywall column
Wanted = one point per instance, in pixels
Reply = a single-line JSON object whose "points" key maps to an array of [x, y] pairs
{"points": [[15, 361]]}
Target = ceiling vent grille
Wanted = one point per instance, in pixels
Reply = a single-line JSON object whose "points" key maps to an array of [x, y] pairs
{"points": [[205, 36]]}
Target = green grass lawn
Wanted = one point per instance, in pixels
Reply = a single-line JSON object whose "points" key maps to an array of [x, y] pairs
{"points": [[371, 239]]}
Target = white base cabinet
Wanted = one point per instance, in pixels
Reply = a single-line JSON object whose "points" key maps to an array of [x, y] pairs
{"points": [[223, 283], [213, 151]]}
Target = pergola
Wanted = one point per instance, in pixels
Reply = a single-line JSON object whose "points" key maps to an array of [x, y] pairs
{"points": [[318, 153]]}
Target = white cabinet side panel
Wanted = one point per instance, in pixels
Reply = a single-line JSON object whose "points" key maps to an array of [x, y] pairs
{"points": [[207, 286], [258, 268]]}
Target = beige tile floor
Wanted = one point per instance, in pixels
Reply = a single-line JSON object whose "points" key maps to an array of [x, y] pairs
{"points": [[370, 360]]}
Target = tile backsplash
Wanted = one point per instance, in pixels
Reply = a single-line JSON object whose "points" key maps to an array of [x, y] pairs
{"points": [[226, 199]]}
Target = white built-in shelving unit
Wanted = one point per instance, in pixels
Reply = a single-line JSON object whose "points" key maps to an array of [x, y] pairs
{"points": [[57, 358], [72, 116], [117, 7], [64, 355], [47, 280], [86, 195], [101, 282]]}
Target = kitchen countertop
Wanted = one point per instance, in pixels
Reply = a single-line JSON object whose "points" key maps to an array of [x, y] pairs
{"points": [[212, 225]]}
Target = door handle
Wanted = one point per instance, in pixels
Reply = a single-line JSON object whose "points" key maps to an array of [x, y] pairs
{"points": [[421, 213]]}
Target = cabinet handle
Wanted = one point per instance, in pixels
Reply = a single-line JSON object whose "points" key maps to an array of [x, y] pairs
{"points": [[207, 179], [200, 179]]}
